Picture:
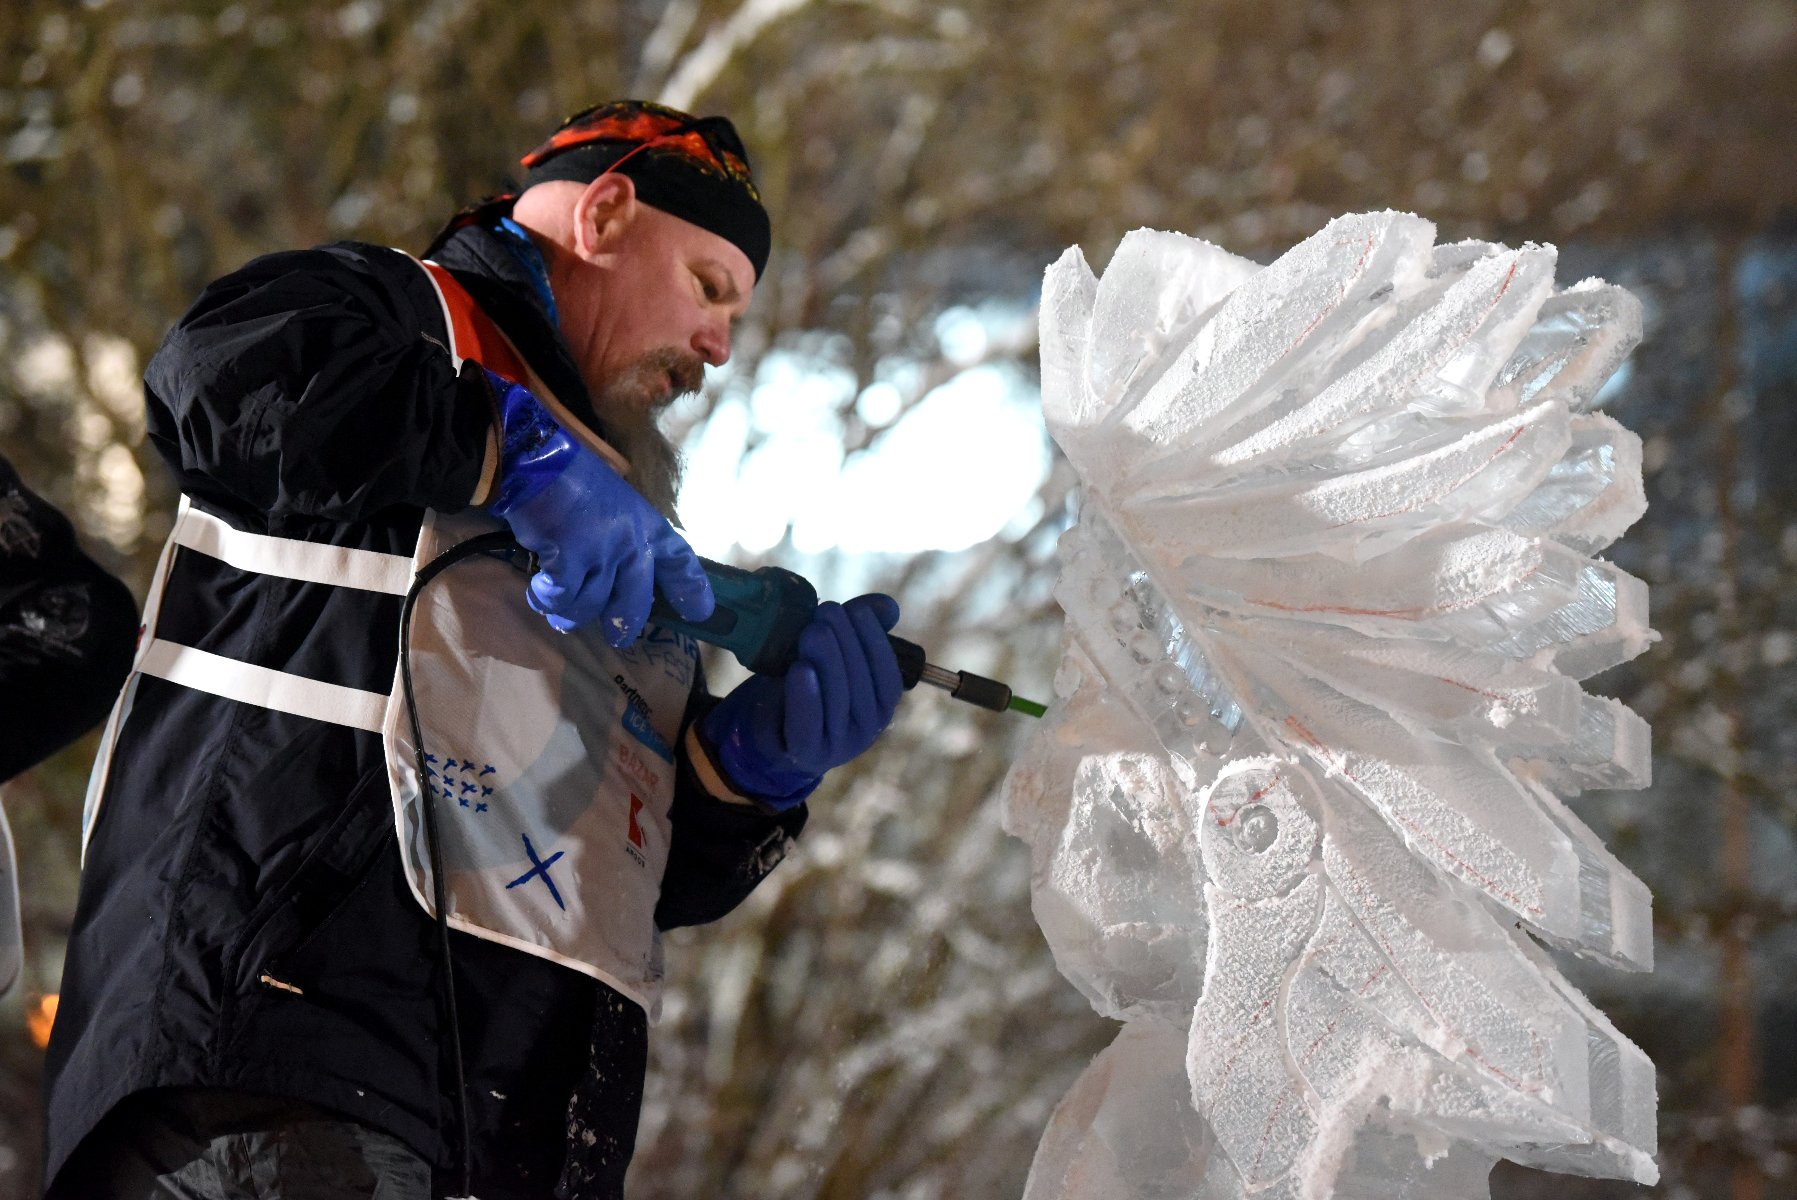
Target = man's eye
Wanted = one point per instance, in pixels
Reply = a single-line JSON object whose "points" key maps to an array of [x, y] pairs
{"points": [[710, 289]]}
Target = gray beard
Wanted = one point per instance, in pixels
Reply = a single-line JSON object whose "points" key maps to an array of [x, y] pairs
{"points": [[655, 462], [628, 407]]}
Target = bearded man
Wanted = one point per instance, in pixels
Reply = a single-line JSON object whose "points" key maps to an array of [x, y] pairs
{"points": [[372, 906]]}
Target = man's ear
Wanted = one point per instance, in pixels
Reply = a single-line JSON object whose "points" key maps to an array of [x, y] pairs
{"points": [[602, 213]]}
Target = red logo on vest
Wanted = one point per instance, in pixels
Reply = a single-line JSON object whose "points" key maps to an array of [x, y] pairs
{"points": [[636, 831]]}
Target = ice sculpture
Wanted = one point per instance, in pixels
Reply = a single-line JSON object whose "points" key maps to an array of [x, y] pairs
{"points": [[1295, 817]]}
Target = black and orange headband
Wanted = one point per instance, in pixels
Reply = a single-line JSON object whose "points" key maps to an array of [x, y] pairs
{"points": [[694, 168]]}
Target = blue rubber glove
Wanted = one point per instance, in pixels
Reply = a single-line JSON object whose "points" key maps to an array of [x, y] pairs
{"points": [[601, 549], [775, 737]]}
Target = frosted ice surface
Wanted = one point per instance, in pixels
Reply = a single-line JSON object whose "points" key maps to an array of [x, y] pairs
{"points": [[1296, 816], [1592, 494], [1128, 935]]}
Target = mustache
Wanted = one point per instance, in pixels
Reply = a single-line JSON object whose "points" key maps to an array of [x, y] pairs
{"points": [[686, 370]]}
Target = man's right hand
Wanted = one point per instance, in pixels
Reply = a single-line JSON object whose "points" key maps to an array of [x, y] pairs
{"points": [[601, 549]]}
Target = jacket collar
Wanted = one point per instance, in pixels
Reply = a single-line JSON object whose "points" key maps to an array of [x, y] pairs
{"points": [[481, 261]]}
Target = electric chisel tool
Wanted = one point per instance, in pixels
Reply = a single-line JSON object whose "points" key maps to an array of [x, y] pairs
{"points": [[761, 613]]}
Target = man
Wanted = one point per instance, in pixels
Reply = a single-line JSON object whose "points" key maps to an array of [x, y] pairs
{"points": [[258, 1000]]}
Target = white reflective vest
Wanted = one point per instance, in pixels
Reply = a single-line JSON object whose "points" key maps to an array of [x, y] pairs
{"points": [[550, 757]]}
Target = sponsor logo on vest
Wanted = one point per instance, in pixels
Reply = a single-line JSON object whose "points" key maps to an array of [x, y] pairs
{"points": [[630, 764], [637, 725], [635, 833], [634, 697]]}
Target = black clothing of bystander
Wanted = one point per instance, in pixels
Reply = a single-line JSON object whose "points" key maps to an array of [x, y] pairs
{"points": [[66, 629]]}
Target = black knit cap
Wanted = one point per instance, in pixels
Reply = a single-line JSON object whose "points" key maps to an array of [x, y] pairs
{"points": [[694, 168]]}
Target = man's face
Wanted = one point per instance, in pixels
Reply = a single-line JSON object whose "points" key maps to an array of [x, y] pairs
{"points": [[670, 295], [663, 311]]}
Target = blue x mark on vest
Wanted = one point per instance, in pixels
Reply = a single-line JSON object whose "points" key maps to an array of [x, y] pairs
{"points": [[540, 866]]}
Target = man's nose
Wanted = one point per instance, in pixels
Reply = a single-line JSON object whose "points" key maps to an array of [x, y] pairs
{"points": [[712, 343]]}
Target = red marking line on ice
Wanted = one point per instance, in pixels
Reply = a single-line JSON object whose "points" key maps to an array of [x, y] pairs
{"points": [[1422, 500], [1405, 613], [1353, 612], [1225, 822], [1267, 1132], [1498, 696], [1473, 325], [1236, 1049], [1311, 1053], [1366, 252], [1521, 1085], [1354, 881], [1338, 763]]}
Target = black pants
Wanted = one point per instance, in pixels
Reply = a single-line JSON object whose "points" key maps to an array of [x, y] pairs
{"points": [[208, 1144], [607, 1103], [213, 1144]]}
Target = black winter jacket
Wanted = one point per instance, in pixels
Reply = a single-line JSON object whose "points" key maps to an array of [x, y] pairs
{"points": [[309, 395], [66, 628]]}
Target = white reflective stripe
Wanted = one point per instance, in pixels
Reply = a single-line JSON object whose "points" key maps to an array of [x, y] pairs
{"points": [[121, 709], [12, 933], [248, 684], [288, 558]]}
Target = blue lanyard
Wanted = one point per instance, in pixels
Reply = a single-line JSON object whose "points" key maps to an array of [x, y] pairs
{"points": [[515, 239]]}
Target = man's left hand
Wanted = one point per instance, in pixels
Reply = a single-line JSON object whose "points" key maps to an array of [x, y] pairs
{"points": [[775, 737]]}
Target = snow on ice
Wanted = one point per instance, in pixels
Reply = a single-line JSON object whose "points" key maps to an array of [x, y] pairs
{"points": [[1296, 816]]}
